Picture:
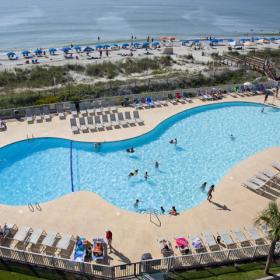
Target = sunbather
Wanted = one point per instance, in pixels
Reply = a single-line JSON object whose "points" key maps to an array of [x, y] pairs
{"points": [[173, 211]]}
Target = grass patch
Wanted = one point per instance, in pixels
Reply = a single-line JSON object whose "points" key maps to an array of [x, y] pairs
{"points": [[249, 271]]}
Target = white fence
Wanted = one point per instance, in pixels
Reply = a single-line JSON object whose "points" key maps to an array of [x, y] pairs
{"points": [[133, 269]]}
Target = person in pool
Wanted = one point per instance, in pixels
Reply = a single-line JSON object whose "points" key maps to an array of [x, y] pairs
{"points": [[130, 150], [173, 141], [232, 138], [173, 211], [162, 210], [133, 173], [136, 204], [157, 165], [203, 186], [146, 176]]}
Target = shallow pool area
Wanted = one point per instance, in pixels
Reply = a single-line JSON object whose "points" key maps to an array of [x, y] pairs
{"points": [[43, 169]]}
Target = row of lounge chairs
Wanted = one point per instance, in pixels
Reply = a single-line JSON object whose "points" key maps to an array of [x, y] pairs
{"points": [[37, 240], [207, 241], [266, 183], [92, 108], [107, 121]]}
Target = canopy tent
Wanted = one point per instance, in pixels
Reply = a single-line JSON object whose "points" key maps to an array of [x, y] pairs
{"points": [[88, 49], [185, 42], [137, 44]]}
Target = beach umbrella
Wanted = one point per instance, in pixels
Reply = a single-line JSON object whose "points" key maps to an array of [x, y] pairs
{"points": [[185, 42], [125, 45], [9, 54], [52, 50], [78, 48], [136, 44], [88, 49], [230, 40], [155, 44], [145, 44], [38, 52], [114, 45], [214, 41], [99, 47], [247, 84], [25, 52], [108, 46], [66, 49]]}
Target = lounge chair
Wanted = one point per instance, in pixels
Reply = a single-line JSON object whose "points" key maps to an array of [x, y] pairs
{"points": [[98, 249], [50, 239], [38, 115], [98, 122], [121, 119], [187, 97], [165, 248], [150, 102], [211, 241], [47, 114], [98, 107], [91, 124], [276, 165], [74, 126], [22, 233], [240, 237], [129, 118], [137, 118], [251, 186], [197, 244], [73, 110], [114, 120], [172, 100], [137, 104], [89, 107], [254, 234], [9, 230], [80, 250], [271, 175], [83, 125], [183, 245], [61, 113], [227, 239], [105, 121], [162, 101], [113, 109], [29, 115], [64, 242], [179, 97], [258, 182], [83, 108], [35, 236]]}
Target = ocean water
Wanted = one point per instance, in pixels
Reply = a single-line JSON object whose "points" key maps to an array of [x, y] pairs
{"points": [[40, 170], [34, 23]]}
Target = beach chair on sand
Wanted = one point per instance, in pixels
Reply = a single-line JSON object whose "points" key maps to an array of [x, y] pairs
{"points": [[197, 243], [83, 108], [91, 124], [38, 115], [49, 240], [47, 114], [73, 110], [8, 230], [22, 233], [121, 119], [64, 242], [227, 240], [98, 123], [165, 248], [29, 115], [211, 241], [98, 249], [276, 165], [114, 120], [60, 111], [83, 125], [74, 126], [241, 238], [105, 121], [129, 118], [36, 235], [254, 234], [90, 108], [137, 118]]}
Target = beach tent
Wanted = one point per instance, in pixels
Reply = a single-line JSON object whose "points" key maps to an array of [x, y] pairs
{"points": [[52, 51], [38, 52], [125, 45], [145, 45], [11, 55], [66, 49], [78, 48], [155, 44], [88, 49]]}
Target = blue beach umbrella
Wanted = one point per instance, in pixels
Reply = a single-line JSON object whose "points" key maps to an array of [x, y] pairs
{"points": [[230, 40], [10, 54], [114, 45], [136, 44], [155, 44], [145, 44], [78, 48], [66, 49], [88, 49], [52, 50], [125, 45], [106, 46], [25, 52], [38, 52], [99, 47], [185, 42], [196, 41]]}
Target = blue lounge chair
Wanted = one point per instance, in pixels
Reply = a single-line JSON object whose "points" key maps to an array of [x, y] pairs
{"points": [[150, 102], [80, 250]]}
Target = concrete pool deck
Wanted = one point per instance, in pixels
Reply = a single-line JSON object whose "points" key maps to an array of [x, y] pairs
{"points": [[86, 214]]}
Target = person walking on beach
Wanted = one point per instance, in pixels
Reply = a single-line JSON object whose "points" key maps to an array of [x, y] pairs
{"points": [[109, 237], [209, 194], [266, 96]]}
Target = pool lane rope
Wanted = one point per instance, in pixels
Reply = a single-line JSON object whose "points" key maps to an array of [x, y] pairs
{"points": [[71, 166]]}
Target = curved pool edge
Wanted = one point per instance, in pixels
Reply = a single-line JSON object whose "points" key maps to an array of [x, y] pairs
{"points": [[142, 134]]}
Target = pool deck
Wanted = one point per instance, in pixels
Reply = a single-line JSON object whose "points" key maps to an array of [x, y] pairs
{"points": [[86, 214]]}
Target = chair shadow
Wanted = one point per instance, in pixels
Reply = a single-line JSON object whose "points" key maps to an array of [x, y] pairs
{"points": [[220, 206], [179, 149], [120, 255], [134, 157]]}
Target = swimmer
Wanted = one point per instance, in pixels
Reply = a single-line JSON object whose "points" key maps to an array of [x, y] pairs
{"points": [[146, 175], [203, 186], [97, 145], [136, 204], [162, 210], [173, 141], [262, 110], [130, 150], [173, 211], [133, 173], [156, 164], [232, 137]]}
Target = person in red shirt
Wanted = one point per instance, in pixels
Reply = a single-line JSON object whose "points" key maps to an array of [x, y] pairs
{"points": [[109, 237]]}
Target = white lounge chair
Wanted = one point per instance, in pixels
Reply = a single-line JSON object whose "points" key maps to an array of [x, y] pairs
{"points": [[83, 126], [240, 236], [73, 110], [60, 111], [64, 242], [129, 118], [83, 108], [29, 115], [137, 118], [22, 233], [38, 115], [9, 229], [89, 107], [121, 119], [98, 107], [35, 236], [105, 121], [98, 122], [50, 238], [254, 234], [47, 114], [210, 240], [227, 239], [74, 126], [251, 186], [91, 124], [114, 120], [269, 174], [276, 165]]}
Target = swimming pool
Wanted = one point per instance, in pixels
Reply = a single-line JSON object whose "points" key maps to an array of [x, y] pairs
{"points": [[47, 168]]}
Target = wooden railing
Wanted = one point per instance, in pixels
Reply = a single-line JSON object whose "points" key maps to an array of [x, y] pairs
{"points": [[191, 261]]}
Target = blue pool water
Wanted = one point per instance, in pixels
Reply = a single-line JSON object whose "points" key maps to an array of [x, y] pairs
{"points": [[40, 170]]}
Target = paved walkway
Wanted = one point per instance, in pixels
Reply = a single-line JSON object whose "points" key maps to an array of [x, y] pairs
{"points": [[85, 213]]}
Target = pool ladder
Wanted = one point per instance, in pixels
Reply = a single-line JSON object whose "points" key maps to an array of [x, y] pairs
{"points": [[33, 207]]}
